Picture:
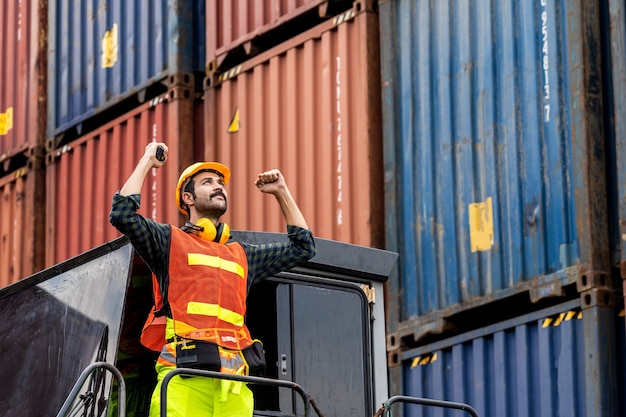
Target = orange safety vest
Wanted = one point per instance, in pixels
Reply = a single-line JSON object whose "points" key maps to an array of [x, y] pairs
{"points": [[206, 293]]}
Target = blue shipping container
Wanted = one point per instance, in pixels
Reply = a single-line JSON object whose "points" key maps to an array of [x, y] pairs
{"points": [[533, 365], [494, 151], [616, 27], [103, 51]]}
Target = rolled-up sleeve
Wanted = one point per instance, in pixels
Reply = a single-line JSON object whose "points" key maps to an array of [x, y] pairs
{"points": [[149, 238], [267, 260]]}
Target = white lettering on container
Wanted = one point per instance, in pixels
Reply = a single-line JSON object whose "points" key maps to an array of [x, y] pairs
{"points": [[153, 215], [545, 61], [338, 141]]}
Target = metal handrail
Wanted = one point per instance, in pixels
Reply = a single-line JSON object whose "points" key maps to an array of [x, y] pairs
{"points": [[425, 401], [243, 378], [121, 390]]}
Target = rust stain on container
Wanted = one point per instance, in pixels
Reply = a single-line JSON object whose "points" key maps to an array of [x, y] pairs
{"points": [[22, 58], [311, 108], [21, 224], [82, 177]]}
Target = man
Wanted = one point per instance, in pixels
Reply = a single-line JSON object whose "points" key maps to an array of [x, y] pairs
{"points": [[201, 282]]}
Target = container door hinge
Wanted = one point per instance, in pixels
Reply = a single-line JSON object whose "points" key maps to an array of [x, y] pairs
{"points": [[370, 293]]}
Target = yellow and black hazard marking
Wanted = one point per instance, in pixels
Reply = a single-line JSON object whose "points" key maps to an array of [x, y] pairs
{"points": [[19, 173], [233, 126], [424, 360], [556, 320], [233, 72], [344, 17]]}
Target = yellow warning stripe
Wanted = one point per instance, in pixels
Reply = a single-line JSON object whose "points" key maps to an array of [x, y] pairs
{"points": [[230, 73], [423, 360], [560, 318]]}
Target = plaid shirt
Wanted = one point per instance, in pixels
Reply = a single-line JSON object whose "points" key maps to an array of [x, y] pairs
{"points": [[151, 241]]}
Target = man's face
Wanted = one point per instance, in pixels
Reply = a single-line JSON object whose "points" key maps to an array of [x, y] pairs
{"points": [[210, 195]]}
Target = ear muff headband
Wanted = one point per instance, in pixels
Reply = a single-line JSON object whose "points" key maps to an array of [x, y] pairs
{"points": [[208, 231]]}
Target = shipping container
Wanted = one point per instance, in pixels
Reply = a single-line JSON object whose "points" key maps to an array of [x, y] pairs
{"points": [[615, 27], [494, 148], [106, 57], [311, 108], [541, 364], [22, 80], [22, 216], [82, 176], [243, 28]]}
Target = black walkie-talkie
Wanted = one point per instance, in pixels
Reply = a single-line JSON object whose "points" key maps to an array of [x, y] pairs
{"points": [[160, 153]]}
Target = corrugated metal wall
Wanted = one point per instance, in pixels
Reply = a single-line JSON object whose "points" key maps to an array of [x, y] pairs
{"points": [[22, 207], [102, 52], [617, 65], [311, 108], [82, 176], [534, 365], [494, 150], [22, 77], [243, 24]]}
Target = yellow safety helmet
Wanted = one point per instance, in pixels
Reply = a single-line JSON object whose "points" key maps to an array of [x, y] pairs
{"points": [[194, 169]]}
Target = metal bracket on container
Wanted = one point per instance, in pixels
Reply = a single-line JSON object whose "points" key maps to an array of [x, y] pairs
{"points": [[552, 289], [393, 358], [180, 79], [593, 279], [393, 349], [366, 5], [36, 157], [181, 86], [210, 80], [410, 334], [597, 297]]}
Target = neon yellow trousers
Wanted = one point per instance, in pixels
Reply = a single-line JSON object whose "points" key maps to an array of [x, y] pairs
{"points": [[198, 396]]}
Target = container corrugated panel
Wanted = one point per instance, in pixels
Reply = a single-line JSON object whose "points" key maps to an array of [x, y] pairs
{"points": [[494, 151], [533, 365], [230, 25], [615, 26], [82, 177], [22, 206], [310, 108], [21, 77], [102, 52]]}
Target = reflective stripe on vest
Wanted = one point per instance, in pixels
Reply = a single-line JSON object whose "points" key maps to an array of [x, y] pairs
{"points": [[214, 310], [215, 262]]}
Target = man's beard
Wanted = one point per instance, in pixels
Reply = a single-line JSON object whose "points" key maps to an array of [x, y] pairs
{"points": [[209, 208]]}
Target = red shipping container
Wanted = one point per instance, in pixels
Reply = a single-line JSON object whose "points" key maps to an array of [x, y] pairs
{"points": [[230, 25], [22, 77], [82, 177], [22, 243], [311, 108]]}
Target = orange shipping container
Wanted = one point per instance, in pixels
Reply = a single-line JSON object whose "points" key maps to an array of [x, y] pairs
{"points": [[22, 79], [22, 209], [310, 107], [82, 177], [252, 24]]}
